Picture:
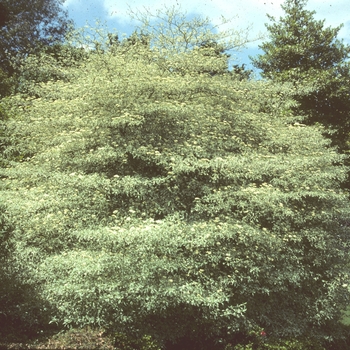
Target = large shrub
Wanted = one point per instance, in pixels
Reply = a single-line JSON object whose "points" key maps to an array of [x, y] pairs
{"points": [[181, 206]]}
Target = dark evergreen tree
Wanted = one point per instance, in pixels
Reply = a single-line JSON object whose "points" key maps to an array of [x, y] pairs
{"points": [[303, 51]]}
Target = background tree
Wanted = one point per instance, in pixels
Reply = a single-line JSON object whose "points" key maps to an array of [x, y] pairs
{"points": [[303, 51], [170, 29], [171, 32], [26, 26]]}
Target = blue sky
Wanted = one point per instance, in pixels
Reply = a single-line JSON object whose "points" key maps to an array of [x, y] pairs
{"points": [[244, 13]]}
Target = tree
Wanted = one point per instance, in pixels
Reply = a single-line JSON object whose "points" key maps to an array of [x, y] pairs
{"points": [[27, 26], [183, 40], [184, 206], [171, 29], [303, 51]]}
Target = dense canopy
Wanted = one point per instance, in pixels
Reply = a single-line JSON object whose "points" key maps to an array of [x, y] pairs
{"points": [[172, 203]]}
